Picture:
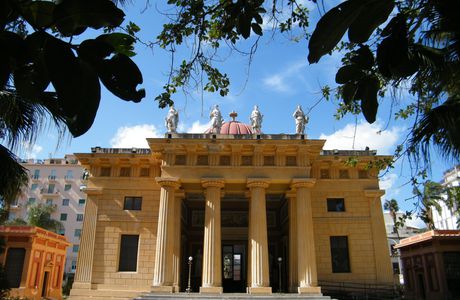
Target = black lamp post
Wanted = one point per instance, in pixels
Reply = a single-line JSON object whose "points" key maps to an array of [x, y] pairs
{"points": [[190, 259]]}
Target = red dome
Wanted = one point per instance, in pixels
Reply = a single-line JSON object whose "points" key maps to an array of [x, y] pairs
{"points": [[233, 127]]}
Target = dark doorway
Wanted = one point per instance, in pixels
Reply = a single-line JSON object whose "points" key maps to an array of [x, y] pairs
{"points": [[234, 267], [421, 286], [45, 284], [14, 265]]}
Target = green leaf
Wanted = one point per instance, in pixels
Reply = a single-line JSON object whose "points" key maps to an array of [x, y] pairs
{"points": [[374, 14], [121, 42], [244, 25], [40, 14], [349, 91], [331, 28], [94, 51], [7, 14], [256, 28], [73, 16], [348, 73], [363, 57], [120, 75], [76, 85], [367, 92]]}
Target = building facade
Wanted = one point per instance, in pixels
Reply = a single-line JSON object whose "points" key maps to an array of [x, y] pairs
{"points": [[431, 264], [59, 182], [34, 261], [246, 208], [448, 218]]}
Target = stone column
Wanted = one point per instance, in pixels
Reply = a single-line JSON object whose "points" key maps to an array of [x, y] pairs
{"points": [[86, 254], [163, 272], [383, 268], [177, 239], [258, 275], [293, 273], [212, 252], [306, 258]]}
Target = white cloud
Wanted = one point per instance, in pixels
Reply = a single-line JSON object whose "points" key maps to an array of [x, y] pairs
{"points": [[31, 151], [134, 136], [279, 81], [387, 181], [367, 135], [198, 127]]}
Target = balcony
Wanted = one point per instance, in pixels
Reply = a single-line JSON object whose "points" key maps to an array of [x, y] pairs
{"points": [[15, 206], [52, 177], [68, 178], [49, 193], [35, 177]]}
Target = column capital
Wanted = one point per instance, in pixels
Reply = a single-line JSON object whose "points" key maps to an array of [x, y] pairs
{"points": [[302, 183], [168, 182], [258, 182], [374, 193], [94, 191], [212, 182]]}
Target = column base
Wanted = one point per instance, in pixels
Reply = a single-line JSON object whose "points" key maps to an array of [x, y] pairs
{"points": [[260, 290], [309, 290], [211, 290], [163, 289]]}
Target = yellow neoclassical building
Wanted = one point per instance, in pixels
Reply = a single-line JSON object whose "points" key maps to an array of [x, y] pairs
{"points": [[234, 211]]}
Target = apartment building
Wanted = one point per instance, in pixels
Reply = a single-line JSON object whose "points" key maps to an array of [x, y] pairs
{"points": [[448, 219], [56, 181]]}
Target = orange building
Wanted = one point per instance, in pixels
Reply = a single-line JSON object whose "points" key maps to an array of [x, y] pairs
{"points": [[34, 261]]}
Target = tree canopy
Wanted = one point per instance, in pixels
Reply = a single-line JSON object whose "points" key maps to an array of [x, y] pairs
{"points": [[45, 73]]}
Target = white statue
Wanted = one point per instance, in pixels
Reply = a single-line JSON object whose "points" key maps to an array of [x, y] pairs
{"points": [[216, 119], [300, 120], [172, 119], [256, 119]]}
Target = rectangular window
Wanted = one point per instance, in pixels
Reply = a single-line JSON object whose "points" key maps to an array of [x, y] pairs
{"points": [[224, 160], [61, 231], [362, 174], [81, 202], [51, 189], [324, 174], [335, 204], [339, 254], [343, 174], [246, 160], [53, 175], [79, 217], [67, 187], [36, 174], [49, 201], [291, 161], [180, 160], [31, 201], [128, 253], [69, 174], [125, 171], [77, 233], [75, 248], [63, 217], [74, 265], [145, 172], [269, 160], [105, 171], [133, 203], [34, 186], [202, 160], [65, 202]]}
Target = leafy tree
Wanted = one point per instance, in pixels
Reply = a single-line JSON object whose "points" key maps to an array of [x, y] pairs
{"points": [[40, 215], [393, 207], [38, 48], [430, 198]]}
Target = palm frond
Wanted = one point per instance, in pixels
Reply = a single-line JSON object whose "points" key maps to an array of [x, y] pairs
{"points": [[12, 176]]}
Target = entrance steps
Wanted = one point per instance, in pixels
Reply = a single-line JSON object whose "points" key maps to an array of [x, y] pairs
{"points": [[230, 296]]}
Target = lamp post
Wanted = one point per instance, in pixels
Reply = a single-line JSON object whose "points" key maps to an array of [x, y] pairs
{"points": [[280, 260], [190, 259]]}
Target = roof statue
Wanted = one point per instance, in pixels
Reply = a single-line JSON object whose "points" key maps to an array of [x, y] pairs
{"points": [[300, 120], [256, 119], [172, 119], [216, 119]]}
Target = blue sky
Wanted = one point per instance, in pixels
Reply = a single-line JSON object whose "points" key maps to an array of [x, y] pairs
{"points": [[278, 78]]}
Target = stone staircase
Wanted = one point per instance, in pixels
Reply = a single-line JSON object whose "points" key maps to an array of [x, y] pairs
{"points": [[230, 296]]}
